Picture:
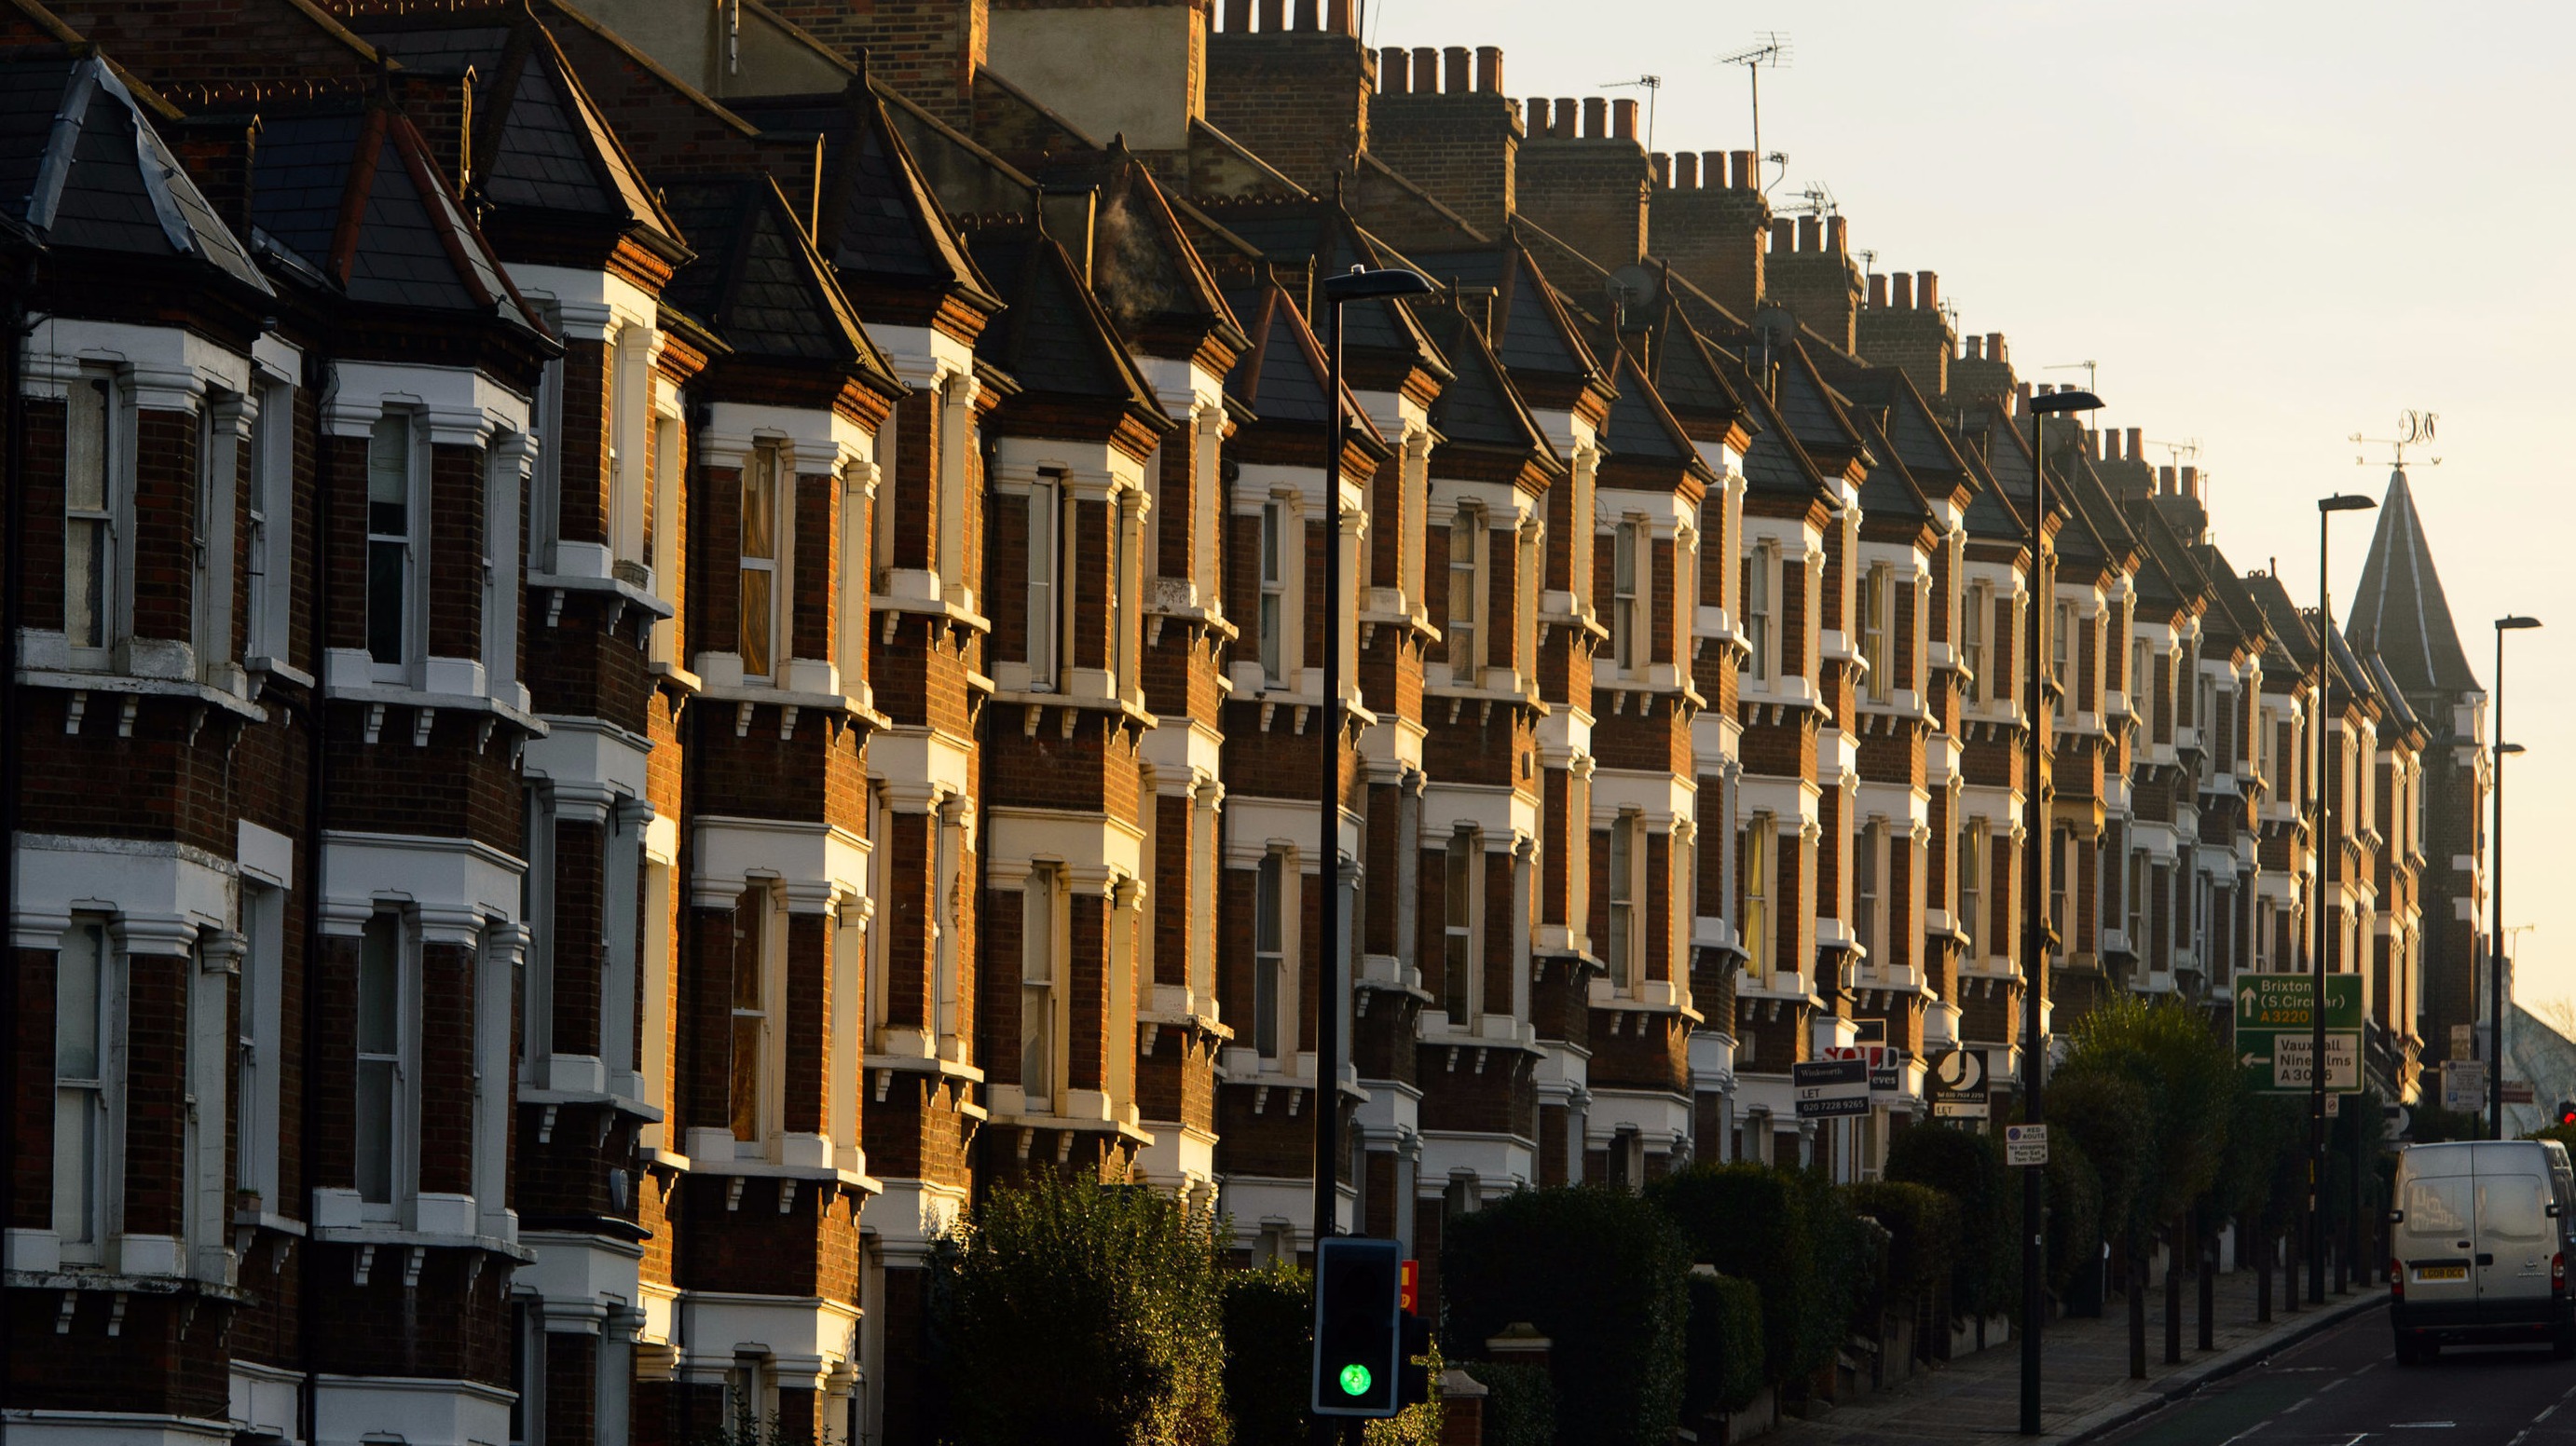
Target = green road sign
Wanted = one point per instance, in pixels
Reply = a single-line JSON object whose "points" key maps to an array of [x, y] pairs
{"points": [[2276, 1031]]}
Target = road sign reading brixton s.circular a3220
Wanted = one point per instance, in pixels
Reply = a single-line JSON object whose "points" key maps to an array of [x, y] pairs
{"points": [[2276, 1032]]}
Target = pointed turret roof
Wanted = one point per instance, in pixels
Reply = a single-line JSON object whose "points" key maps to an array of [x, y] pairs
{"points": [[2399, 611]]}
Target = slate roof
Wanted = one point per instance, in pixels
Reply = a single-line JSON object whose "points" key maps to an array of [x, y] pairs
{"points": [[1291, 233], [1053, 337], [1808, 407], [1689, 377], [1887, 490], [2399, 611], [1282, 375], [1479, 407], [353, 194], [758, 283], [540, 144], [82, 169], [1531, 331], [1641, 428], [1148, 276]]}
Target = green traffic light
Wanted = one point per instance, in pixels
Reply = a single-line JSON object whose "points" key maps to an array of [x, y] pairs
{"points": [[1355, 1380]]}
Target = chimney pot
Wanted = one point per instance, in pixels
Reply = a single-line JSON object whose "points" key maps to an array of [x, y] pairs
{"points": [[1337, 17], [1623, 119], [1784, 236], [1238, 17], [1274, 16], [2021, 392], [1834, 234], [1596, 117], [2137, 444], [1739, 166], [1392, 70], [1686, 171], [1903, 300], [1877, 292], [1426, 70], [1662, 166], [1489, 70], [2047, 388], [1458, 80], [2110, 444], [1927, 290], [1537, 115], [2191, 482], [1568, 116], [1994, 346], [2165, 478], [1811, 233], [1306, 19], [1976, 348]]}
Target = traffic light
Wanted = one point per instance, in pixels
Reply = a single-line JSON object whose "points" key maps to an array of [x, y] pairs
{"points": [[1413, 1385], [1359, 1338], [2567, 1112]]}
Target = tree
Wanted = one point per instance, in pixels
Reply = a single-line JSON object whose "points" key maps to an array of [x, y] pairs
{"points": [[1969, 1168], [1601, 1274], [1136, 1271]]}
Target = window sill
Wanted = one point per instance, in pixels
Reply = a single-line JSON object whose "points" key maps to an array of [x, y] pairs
{"points": [[263, 1220], [80, 1278], [649, 1114], [263, 667], [942, 607], [85, 682], [394, 695], [747, 694], [625, 592], [391, 1234]]}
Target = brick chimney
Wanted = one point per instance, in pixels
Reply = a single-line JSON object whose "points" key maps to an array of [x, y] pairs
{"points": [[1686, 171], [1877, 292], [1662, 167], [1903, 298], [1461, 142], [1591, 192], [1910, 334], [1713, 233], [1319, 67], [1739, 170], [1623, 119], [1394, 68], [1817, 282], [927, 49]]}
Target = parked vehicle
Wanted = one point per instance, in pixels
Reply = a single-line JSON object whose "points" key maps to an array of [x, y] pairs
{"points": [[2480, 1234]]}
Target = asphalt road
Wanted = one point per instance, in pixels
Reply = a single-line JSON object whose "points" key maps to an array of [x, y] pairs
{"points": [[2343, 1387]]}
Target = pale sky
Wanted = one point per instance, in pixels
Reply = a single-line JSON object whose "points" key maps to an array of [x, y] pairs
{"points": [[2272, 225]]}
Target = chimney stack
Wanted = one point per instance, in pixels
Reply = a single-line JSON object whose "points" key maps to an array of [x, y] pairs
{"points": [[2137, 444], [1489, 70], [1537, 118], [1663, 168], [2165, 478], [1596, 117], [1811, 233], [1877, 292], [1459, 80], [1834, 234], [2021, 398], [1686, 171], [1567, 117], [1426, 70], [1784, 235], [2191, 483], [1994, 346], [1392, 68], [1976, 348], [1904, 297], [1623, 119], [1337, 17], [1927, 290], [1740, 166], [2110, 444]]}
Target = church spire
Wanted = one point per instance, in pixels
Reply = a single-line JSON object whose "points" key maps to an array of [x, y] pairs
{"points": [[2399, 613]]}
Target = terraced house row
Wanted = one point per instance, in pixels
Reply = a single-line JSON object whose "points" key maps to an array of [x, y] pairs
{"points": [[653, 645]]}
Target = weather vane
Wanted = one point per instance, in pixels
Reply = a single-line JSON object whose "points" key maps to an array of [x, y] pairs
{"points": [[2414, 429]]}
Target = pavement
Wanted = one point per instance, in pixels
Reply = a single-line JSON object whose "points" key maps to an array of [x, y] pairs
{"points": [[2086, 1391]]}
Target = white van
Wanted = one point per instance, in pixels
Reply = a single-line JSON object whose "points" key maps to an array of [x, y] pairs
{"points": [[2479, 1239]]}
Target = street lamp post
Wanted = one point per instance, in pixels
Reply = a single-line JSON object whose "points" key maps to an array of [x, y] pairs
{"points": [[2323, 727], [1357, 284], [2495, 888], [2034, 1056]]}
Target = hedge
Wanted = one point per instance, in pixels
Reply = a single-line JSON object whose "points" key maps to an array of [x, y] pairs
{"points": [[1986, 1277], [1725, 1346], [2074, 1213], [1745, 1219], [1520, 1403], [1601, 1274], [1269, 1354], [1923, 1235]]}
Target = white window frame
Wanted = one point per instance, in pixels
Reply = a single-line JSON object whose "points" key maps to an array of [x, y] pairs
{"points": [[620, 936], [1975, 616], [1462, 981], [88, 1162], [1464, 637], [502, 584], [850, 585], [1044, 960], [403, 548], [1868, 890], [948, 843], [1274, 930], [1761, 587], [1874, 623], [211, 592], [1968, 870], [391, 928], [1126, 591], [1625, 950], [754, 1013], [2062, 652], [1532, 540], [768, 467], [1276, 635], [537, 961], [1631, 563], [631, 474], [1046, 549], [104, 520], [259, 1042], [268, 638], [1759, 872]]}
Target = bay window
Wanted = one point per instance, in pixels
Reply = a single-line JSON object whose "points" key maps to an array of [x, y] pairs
{"points": [[1758, 663], [1873, 630], [1269, 954], [1045, 624], [1627, 624], [1865, 888], [1970, 869], [1972, 639], [1466, 595], [84, 1121], [1756, 852], [1274, 593], [393, 525], [1625, 945], [271, 554], [94, 461], [759, 570], [1463, 897], [1041, 898], [748, 1077], [386, 1043]]}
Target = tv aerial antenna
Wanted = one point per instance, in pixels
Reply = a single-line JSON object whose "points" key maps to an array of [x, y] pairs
{"points": [[1817, 200], [1654, 87], [2414, 429], [1770, 50], [2088, 367], [2176, 451]]}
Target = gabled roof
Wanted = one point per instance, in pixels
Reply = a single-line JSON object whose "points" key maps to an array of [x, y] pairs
{"points": [[82, 169], [1479, 408], [1641, 429], [1148, 276], [1689, 377], [540, 144], [1531, 332], [2399, 611], [1053, 337], [2288, 626], [1292, 233], [352, 192], [759, 284], [1283, 374], [1888, 490], [1808, 406]]}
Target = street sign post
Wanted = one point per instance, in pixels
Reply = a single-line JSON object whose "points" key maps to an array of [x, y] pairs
{"points": [[1958, 1084], [2025, 1144], [2464, 1086], [1830, 1088], [2275, 1039]]}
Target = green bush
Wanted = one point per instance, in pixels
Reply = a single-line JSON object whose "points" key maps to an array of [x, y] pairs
{"points": [[1598, 1272], [1520, 1403], [1269, 1354], [1851, 1268], [1725, 1349], [2105, 1113], [1107, 1303], [2168, 1050], [1922, 1225], [1969, 1168], [2074, 1210], [1746, 1220]]}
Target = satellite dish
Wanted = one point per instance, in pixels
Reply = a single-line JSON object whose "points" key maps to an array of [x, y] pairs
{"points": [[1633, 286]]}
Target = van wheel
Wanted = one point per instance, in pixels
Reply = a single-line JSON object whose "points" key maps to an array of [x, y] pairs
{"points": [[2408, 1352]]}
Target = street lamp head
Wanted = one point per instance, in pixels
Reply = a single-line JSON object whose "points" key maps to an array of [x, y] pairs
{"points": [[2066, 400], [1362, 284], [2516, 623], [2508, 748], [2345, 502]]}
